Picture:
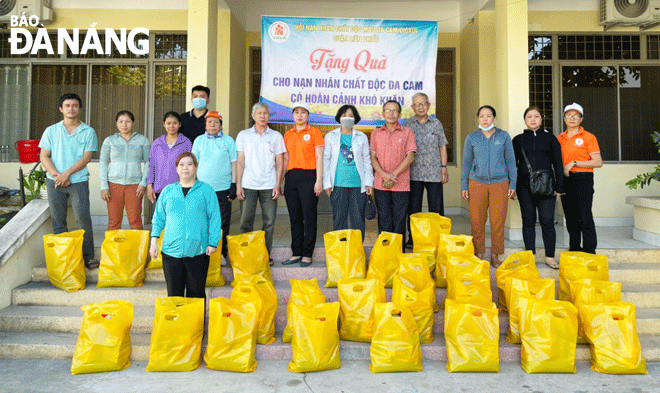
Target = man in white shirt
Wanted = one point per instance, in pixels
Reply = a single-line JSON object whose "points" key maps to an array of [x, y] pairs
{"points": [[259, 172]]}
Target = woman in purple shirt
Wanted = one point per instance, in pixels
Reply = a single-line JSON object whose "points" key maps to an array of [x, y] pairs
{"points": [[163, 154]]}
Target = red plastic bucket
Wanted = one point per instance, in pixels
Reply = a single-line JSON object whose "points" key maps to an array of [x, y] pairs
{"points": [[28, 151]]}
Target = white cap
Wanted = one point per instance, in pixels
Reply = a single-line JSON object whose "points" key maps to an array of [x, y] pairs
{"points": [[575, 107], [303, 105]]}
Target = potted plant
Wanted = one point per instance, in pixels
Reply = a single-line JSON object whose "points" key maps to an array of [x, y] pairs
{"points": [[645, 179], [35, 183]]}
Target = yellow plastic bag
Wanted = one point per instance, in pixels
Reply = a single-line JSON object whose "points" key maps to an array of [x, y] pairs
{"points": [[124, 255], [395, 346], [460, 264], [383, 263], [232, 336], [64, 260], [586, 291], [104, 343], [516, 291], [425, 229], [470, 288], [158, 263], [575, 265], [176, 339], [472, 335], [414, 273], [548, 331], [448, 244], [344, 255], [420, 303], [315, 344], [303, 293], [258, 290], [249, 256], [520, 265], [357, 298], [612, 331], [214, 277]]}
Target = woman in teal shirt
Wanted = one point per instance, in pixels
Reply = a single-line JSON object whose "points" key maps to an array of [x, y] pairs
{"points": [[188, 212]]}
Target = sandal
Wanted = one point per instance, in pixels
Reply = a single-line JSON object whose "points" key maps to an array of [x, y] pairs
{"points": [[551, 263], [92, 264]]}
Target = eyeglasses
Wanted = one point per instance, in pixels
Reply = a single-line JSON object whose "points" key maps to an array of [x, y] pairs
{"points": [[390, 111], [420, 104], [574, 116]]}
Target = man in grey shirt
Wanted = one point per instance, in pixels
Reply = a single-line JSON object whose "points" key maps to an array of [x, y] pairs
{"points": [[429, 170]]}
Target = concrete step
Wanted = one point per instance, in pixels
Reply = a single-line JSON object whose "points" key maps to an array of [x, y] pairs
{"points": [[44, 294], [15, 345], [614, 255], [641, 273]]}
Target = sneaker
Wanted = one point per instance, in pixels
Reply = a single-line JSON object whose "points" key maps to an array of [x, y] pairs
{"points": [[92, 264], [552, 264]]}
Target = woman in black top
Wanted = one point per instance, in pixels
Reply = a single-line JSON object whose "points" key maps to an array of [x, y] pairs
{"points": [[543, 152]]}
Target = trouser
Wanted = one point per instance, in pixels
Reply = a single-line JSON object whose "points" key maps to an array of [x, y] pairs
{"points": [[225, 216], [57, 202], [392, 207], [301, 201], [268, 211], [186, 276], [577, 203], [120, 197], [529, 205], [485, 198], [434, 198], [348, 202]]}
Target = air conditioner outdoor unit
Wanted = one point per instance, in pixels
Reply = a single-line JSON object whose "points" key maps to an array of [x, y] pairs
{"points": [[39, 8], [643, 13]]}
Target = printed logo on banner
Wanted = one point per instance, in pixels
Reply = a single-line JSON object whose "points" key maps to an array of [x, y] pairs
{"points": [[279, 32]]}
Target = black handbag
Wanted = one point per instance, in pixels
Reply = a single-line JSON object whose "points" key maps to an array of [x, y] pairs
{"points": [[541, 182]]}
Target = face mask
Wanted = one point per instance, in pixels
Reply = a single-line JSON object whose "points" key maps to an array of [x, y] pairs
{"points": [[490, 127], [347, 122], [199, 103]]}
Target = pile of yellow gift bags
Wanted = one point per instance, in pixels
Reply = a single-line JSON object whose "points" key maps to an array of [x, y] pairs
{"points": [[249, 256], [303, 293], [124, 254], [260, 292], [383, 262], [357, 299], [232, 336], [344, 255], [176, 339], [104, 343], [414, 273], [472, 333], [315, 343], [64, 260], [449, 244], [585, 292], [395, 345], [420, 302], [520, 265], [548, 331], [611, 329]]}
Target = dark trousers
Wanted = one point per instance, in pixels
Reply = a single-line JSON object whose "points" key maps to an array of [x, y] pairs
{"points": [[268, 213], [186, 276], [348, 202], [577, 203], [301, 201], [529, 205], [392, 207], [225, 216], [57, 203], [434, 199]]}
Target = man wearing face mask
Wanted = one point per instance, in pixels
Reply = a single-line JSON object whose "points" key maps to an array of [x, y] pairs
{"points": [[193, 123], [429, 170]]}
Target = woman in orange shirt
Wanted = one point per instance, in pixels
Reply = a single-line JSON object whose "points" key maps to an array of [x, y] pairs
{"points": [[580, 155], [303, 183]]}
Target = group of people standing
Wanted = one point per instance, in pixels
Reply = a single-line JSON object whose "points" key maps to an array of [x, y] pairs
{"points": [[194, 171]]}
